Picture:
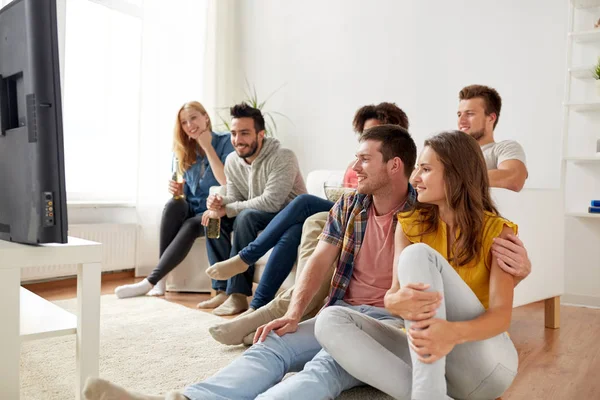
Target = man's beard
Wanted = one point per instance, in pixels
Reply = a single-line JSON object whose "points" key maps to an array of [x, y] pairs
{"points": [[252, 148], [371, 187], [477, 135]]}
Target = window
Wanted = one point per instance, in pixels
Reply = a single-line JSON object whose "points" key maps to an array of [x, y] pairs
{"points": [[101, 99]]}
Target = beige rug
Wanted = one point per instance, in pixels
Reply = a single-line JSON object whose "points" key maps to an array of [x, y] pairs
{"points": [[146, 344]]}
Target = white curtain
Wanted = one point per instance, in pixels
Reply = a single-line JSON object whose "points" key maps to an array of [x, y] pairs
{"points": [[223, 71], [189, 52]]}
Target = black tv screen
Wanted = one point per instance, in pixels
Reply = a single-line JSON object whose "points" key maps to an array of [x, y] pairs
{"points": [[32, 176]]}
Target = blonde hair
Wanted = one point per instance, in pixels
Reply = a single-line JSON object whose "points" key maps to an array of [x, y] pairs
{"points": [[186, 150]]}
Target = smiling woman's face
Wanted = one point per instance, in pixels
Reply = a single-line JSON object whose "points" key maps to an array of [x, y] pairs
{"points": [[429, 178], [193, 122]]}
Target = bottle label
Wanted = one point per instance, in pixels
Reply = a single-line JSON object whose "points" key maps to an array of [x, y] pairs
{"points": [[213, 231]]}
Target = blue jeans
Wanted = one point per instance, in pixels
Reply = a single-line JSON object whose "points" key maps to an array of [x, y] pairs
{"points": [[283, 235], [245, 227], [258, 372]]}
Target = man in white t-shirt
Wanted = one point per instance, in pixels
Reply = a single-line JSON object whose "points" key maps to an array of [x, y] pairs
{"points": [[478, 113]]}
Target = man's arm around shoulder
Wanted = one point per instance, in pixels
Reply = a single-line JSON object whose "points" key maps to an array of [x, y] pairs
{"points": [[511, 171], [511, 175]]}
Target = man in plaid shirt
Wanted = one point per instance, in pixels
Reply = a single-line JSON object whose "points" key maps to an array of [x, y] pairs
{"points": [[360, 232]]}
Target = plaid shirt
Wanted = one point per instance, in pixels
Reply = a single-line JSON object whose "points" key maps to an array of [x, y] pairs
{"points": [[346, 227]]}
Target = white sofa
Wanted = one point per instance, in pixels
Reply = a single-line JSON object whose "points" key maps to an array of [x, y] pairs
{"points": [[189, 276], [540, 285]]}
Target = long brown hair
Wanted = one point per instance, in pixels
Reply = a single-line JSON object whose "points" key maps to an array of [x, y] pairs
{"points": [[185, 149], [467, 192]]}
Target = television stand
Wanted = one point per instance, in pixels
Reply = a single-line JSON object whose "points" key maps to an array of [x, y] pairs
{"points": [[26, 316]]}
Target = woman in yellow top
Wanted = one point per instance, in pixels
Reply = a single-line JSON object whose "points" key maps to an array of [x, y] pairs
{"points": [[457, 346]]}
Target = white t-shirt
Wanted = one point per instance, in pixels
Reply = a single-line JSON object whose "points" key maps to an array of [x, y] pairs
{"points": [[496, 153]]}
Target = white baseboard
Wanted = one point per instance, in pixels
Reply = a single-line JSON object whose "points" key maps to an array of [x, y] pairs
{"points": [[579, 300]]}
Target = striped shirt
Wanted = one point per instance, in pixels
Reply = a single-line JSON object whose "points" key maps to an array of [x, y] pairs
{"points": [[345, 228]]}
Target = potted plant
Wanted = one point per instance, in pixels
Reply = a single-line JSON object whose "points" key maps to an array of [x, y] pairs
{"points": [[251, 98], [597, 75]]}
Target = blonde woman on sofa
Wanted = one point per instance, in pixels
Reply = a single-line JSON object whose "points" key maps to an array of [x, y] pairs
{"points": [[201, 154], [461, 349]]}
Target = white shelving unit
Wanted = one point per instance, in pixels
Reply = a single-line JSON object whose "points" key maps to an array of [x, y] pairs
{"points": [[583, 107], [581, 4], [587, 163], [590, 36], [582, 215], [582, 72], [580, 167], [581, 160]]}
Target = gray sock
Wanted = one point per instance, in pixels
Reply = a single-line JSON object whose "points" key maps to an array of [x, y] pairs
{"points": [[235, 304]]}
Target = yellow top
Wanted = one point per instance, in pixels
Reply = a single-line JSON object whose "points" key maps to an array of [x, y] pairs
{"points": [[476, 273]]}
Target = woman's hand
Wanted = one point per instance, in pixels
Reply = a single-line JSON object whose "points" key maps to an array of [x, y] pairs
{"points": [[206, 216], [432, 339], [412, 302], [176, 189], [205, 139]]}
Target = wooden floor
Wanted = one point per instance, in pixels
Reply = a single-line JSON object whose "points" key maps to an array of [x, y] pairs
{"points": [[561, 364]]}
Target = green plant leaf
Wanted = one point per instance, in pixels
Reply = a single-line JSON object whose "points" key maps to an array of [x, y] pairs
{"points": [[224, 122], [282, 115], [273, 123], [271, 95], [252, 99]]}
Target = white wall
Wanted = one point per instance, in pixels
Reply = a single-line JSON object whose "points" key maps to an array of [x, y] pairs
{"points": [[335, 56]]}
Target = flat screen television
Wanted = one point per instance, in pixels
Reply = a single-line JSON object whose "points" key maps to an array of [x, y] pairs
{"points": [[32, 174]]}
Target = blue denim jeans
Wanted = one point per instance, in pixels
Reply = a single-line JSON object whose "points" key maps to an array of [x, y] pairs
{"points": [[245, 227], [283, 235], [258, 372]]}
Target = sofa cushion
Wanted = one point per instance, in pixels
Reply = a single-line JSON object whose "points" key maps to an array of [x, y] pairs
{"points": [[259, 268]]}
